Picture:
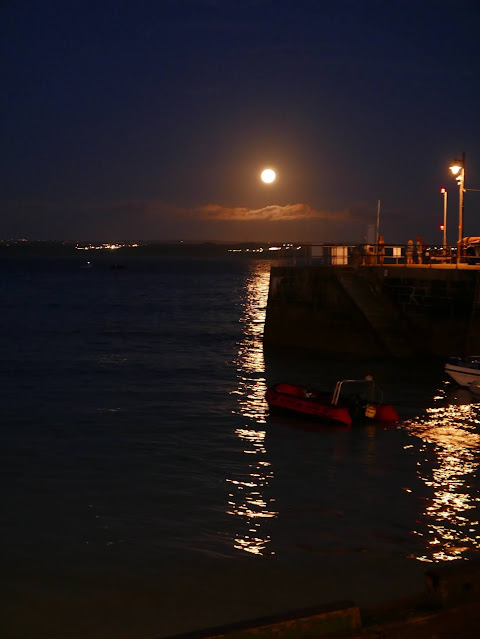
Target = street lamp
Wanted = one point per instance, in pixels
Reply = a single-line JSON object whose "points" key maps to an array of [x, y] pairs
{"points": [[458, 170], [444, 226]]}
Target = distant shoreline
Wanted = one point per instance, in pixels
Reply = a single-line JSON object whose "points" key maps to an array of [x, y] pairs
{"points": [[25, 248]]}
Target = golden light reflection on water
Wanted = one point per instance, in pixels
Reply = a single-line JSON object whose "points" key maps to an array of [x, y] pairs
{"points": [[448, 456], [248, 498]]}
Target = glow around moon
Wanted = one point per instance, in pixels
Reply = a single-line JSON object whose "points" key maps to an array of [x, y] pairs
{"points": [[268, 176]]}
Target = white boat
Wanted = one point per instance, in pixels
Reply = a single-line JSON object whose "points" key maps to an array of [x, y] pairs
{"points": [[465, 371]]}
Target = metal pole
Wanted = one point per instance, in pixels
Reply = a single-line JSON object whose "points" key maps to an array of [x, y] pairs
{"points": [[460, 212], [443, 191], [378, 223], [444, 218], [461, 185], [462, 190], [378, 219]]}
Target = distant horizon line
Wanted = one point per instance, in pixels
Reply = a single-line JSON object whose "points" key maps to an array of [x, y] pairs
{"points": [[132, 243]]}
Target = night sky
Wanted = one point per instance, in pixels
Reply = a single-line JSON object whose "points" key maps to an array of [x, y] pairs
{"points": [[151, 121]]}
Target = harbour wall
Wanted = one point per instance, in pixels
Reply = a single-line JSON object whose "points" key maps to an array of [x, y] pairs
{"points": [[390, 310]]}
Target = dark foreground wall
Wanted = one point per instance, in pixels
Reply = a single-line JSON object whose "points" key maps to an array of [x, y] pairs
{"points": [[375, 310]]}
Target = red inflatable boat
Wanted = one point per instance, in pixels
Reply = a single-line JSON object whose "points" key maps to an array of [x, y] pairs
{"points": [[351, 401]]}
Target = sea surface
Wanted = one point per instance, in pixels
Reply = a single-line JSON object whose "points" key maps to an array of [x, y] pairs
{"points": [[136, 448]]}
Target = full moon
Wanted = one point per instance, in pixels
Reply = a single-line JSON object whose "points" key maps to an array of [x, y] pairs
{"points": [[268, 175]]}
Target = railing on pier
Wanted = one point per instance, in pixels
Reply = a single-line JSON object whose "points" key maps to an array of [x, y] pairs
{"points": [[384, 255]]}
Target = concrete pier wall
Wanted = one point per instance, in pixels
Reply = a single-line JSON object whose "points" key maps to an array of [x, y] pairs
{"points": [[375, 310]]}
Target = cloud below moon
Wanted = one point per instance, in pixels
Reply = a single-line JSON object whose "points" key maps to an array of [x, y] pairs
{"points": [[158, 220], [275, 213]]}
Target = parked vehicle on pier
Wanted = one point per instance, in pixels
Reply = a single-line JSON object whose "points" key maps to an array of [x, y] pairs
{"points": [[351, 401], [472, 249]]}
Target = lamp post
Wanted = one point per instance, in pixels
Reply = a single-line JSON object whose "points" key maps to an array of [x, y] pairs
{"points": [[444, 227], [458, 170]]}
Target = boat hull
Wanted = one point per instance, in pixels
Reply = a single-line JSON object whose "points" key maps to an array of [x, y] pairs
{"points": [[298, 401], [475, 387], [464, 373], [307, 407]]}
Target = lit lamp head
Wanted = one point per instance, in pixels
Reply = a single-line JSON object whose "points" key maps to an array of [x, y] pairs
{"points": [[458, 171]]}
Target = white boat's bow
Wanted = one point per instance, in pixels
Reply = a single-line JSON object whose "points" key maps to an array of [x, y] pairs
{"points": [[464, 371]]}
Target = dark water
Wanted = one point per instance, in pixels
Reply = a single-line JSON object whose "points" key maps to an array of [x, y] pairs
{"points": [[135, 437]]}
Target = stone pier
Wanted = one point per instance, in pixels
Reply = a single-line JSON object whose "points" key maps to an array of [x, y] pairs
{"points": [[399, 311]]}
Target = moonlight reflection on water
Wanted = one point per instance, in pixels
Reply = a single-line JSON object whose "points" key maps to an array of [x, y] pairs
{"points": [[448, 445], [249, 500]]}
